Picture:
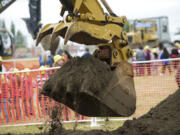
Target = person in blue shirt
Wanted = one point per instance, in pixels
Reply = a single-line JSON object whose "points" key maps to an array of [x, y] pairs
{"points": [[165, 64], [87, 53]]}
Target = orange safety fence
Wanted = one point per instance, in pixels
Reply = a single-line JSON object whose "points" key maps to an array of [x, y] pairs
{"points": [[31, 63], [154, 82], [21, 101]]}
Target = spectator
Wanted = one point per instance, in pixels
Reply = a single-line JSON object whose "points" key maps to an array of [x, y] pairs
{"points": [[43, 59], [175, 54], [87, 53], [41, 63], [59, 61], [15, 90], [66, 56], [165, 64], [27, 92], [2, 68], [50, 60], [140, 57], [161, 47], [134, 57], [178, 46], [134, 64], [148, 58], [41, 79], [4, 93], [155, 64]]}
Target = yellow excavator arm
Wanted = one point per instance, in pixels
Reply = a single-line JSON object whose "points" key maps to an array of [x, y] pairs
{"points": [[87, 23]]}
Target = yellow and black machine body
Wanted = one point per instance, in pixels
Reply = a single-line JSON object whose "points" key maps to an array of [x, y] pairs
{"points": [[6, 44], [143, 32], [88, 24]]}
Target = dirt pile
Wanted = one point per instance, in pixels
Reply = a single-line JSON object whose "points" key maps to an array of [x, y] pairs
{"points": [[91, 88], [164, 119]]}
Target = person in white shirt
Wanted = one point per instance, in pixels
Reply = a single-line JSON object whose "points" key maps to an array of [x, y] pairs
{"points": [[2, 68]]}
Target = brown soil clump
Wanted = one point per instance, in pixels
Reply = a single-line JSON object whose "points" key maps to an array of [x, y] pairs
{"points": [[91, 88]]}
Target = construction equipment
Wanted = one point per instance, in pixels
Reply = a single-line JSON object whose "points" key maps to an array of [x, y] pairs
{"points": [[149, 31], [6, 44], [143, 32], [87, 23]]}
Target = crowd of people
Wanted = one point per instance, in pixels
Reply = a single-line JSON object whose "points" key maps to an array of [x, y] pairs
{"points": [[62, 57], [153, 68]]}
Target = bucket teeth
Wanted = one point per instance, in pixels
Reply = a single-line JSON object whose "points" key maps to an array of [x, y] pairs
{"points": [[70, 32], [60, 29], [46, 30], [79, 32]]}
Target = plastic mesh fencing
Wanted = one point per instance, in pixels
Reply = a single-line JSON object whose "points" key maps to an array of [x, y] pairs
{"points": [[21, 101], [155, 81]]}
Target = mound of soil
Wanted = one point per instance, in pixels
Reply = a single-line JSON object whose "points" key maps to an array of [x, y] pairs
{"points": [[91, 88], [164, 119]]}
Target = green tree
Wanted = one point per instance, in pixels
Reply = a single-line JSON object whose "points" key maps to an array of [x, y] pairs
{"points": [[20, 38], [13, 29], [2, 24]]}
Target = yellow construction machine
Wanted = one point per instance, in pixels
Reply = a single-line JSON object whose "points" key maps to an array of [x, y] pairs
{"points": [[87, 23], [143, 32]]}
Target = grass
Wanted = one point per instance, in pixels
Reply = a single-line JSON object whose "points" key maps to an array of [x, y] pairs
{"points": [[81, 126]]}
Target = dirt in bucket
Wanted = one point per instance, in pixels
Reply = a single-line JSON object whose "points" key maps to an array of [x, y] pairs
{"points": [[91, 88]]}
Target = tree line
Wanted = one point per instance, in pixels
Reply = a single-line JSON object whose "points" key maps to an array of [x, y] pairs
{"points": [[19, 38]]}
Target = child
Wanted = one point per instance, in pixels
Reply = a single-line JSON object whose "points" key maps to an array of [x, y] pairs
{"points": [[155, 64]]}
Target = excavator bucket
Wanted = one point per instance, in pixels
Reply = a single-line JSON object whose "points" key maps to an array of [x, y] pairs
{"points": [[90, 87]]}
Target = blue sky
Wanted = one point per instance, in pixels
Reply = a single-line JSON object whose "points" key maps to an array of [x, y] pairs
{"points": [[132, 9]]}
